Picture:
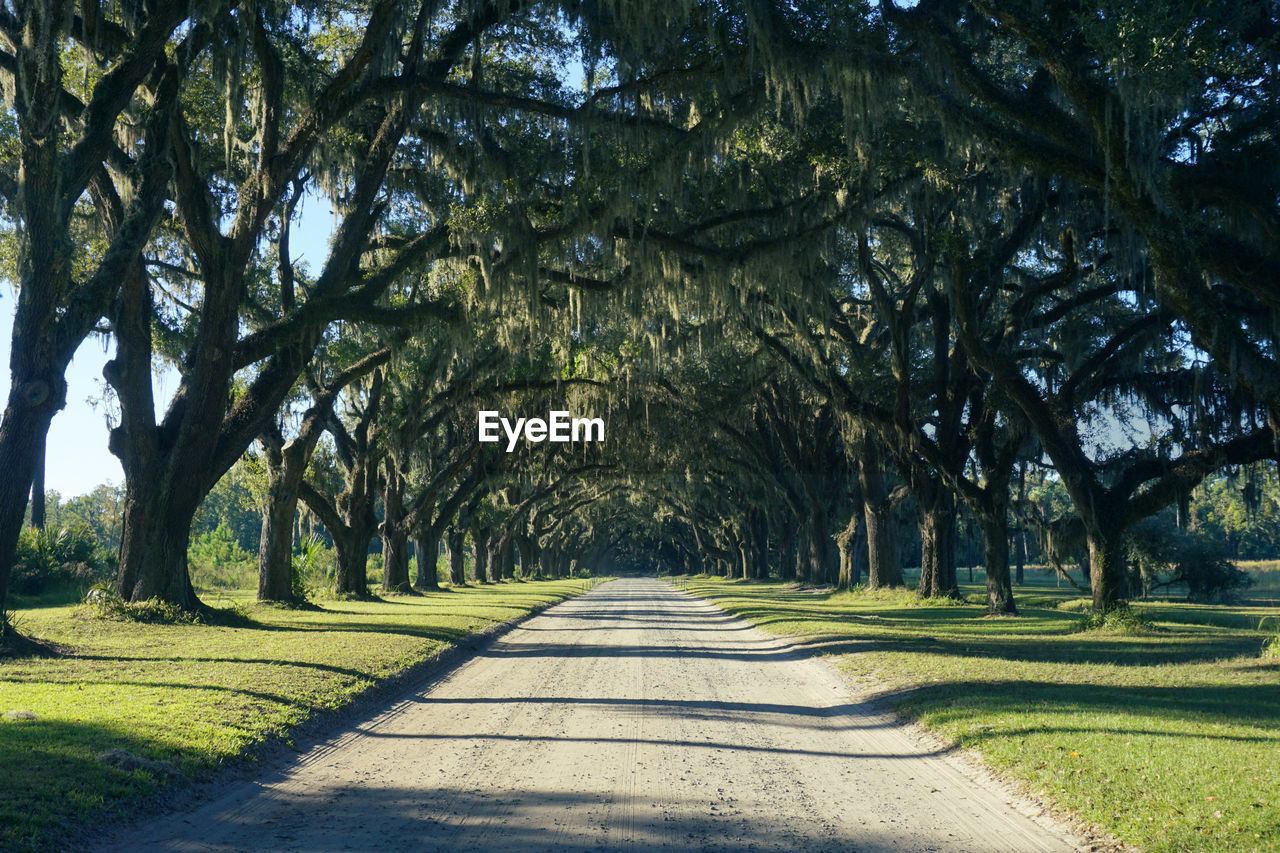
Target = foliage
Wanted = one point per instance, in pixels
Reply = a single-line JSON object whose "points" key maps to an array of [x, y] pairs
{"points": [[1240, 511], [312, 568], [236, 504], [1126, 621], [48, 559], [102, 602], [1166, 556], [217, 560], [98, 511]]}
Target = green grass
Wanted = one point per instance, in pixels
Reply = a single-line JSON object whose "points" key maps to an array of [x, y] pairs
{"points": [[197, 696], [1166, 736]]}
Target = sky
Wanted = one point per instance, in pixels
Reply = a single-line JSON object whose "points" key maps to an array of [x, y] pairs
{"points": [[77, 459]]}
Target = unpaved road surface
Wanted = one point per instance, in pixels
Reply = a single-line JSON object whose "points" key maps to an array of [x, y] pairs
{"points": [[635, 717]]}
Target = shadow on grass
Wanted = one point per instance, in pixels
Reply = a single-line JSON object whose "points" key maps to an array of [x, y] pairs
{"points": [[65, 783], [1040, 636], [262, 695], [322, 667], [1230, 704]]}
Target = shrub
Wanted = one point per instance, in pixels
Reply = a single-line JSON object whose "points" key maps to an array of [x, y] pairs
{"points": [[1120, 620], [312, 567], [46, 560], [101, 601], [1166, 556]]}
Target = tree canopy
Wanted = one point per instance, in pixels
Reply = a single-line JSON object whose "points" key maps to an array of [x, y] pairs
{"points": [[840, 279]]}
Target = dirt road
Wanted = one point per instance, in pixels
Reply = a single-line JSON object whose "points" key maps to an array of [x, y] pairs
{"points": [[635, 717]]}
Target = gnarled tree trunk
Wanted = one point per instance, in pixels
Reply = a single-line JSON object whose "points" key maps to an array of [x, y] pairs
{"points": [[352, 524], [157, 530], [352, 562], [847, 542]]}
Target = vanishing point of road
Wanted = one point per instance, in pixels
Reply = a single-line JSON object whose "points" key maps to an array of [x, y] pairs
{"points": [[634, 717]]}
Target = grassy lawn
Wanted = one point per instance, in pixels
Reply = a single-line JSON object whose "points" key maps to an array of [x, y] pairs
{"points": [[1169, 737], [133, 704]]}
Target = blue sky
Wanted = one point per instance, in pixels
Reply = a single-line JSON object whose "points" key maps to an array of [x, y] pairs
{"points": [[77, 455]]}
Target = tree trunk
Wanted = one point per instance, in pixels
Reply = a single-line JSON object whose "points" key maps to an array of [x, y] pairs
{"points": [[352, 524], [549, 562], [426, 552], [787, 558], [480, 550], [801, 570], [353, 562], [157, 530], [455, 542], [938, 549], [883, 562], [395, 561], [493, 564], [1021, 539], [169, 466], [846, 541], [819, 542], [884, 566], [759, 546], [1106, 568], [995, 542], [507, 558], [528, 557], [928, 557], [285, 466], [275, 545], [1021, 533], [395, 539], [37, 485], [22, 434]]}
